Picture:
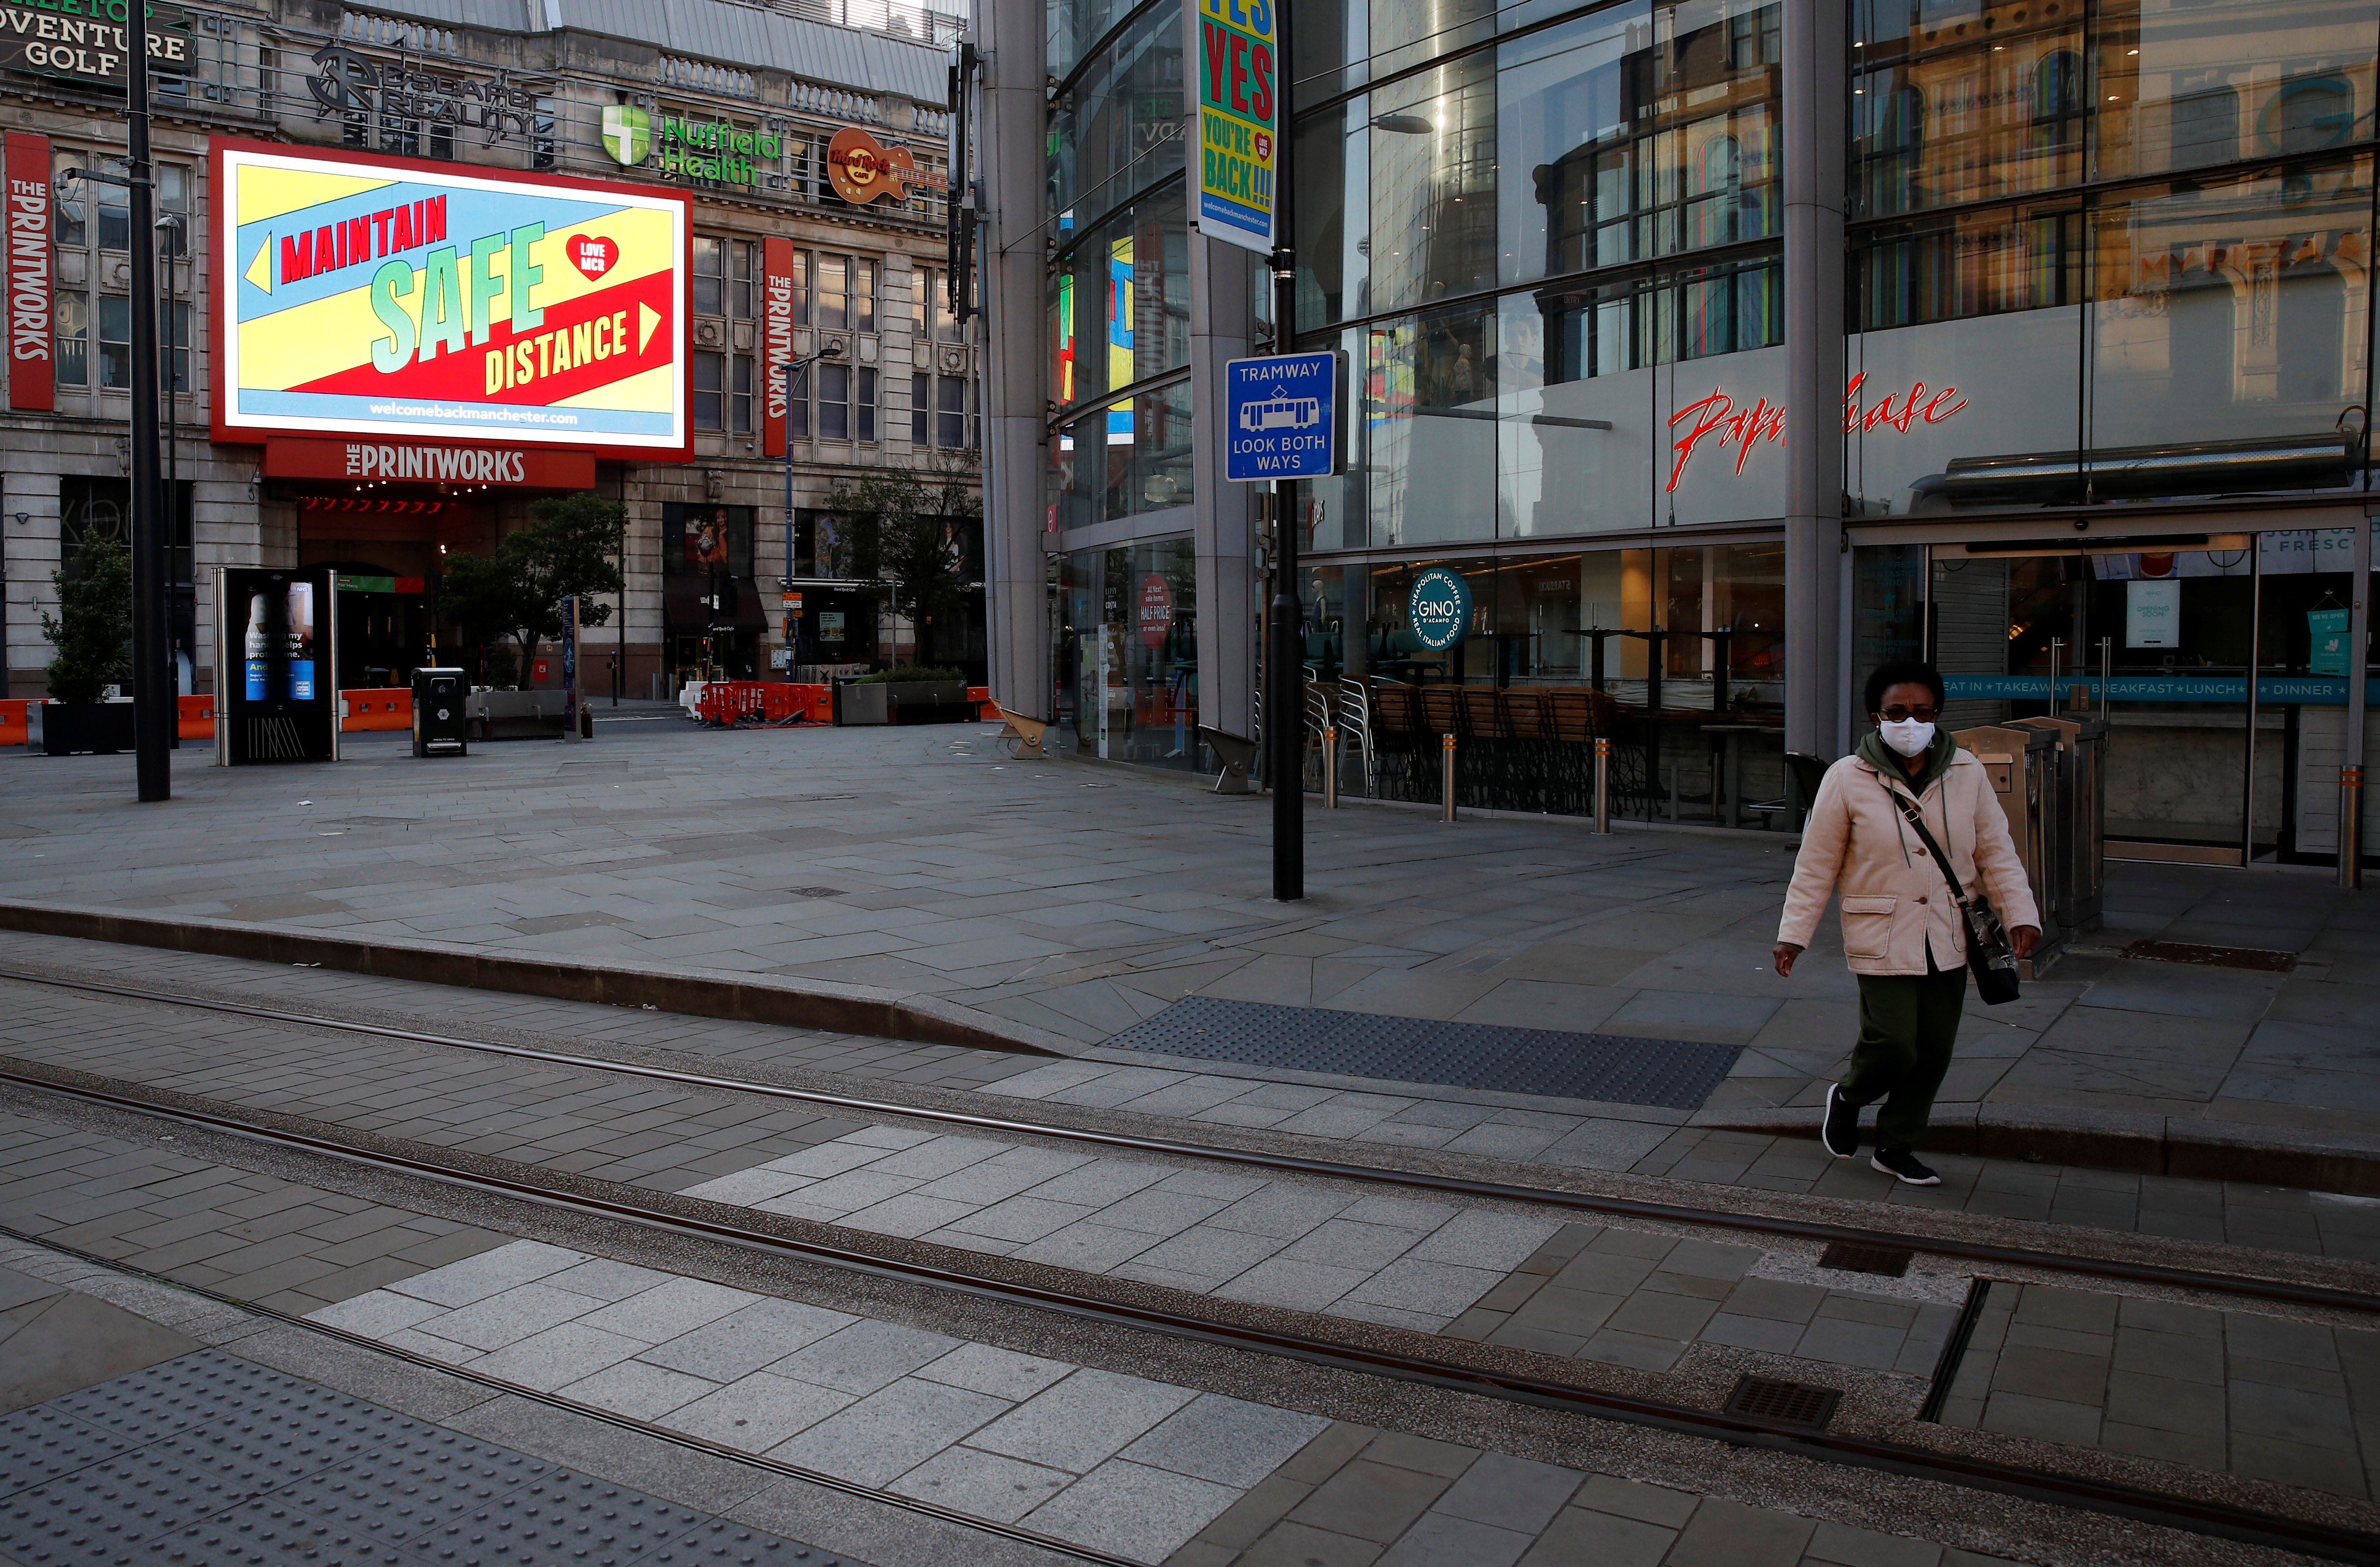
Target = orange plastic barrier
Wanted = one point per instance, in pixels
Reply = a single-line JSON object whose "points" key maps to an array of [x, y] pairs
{"points": [[12, 720], [374, 708], [775, 703], [195, 718], [984, 706]]}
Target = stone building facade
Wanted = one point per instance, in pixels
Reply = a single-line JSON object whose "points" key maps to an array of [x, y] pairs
{"points": [[736, 106]]}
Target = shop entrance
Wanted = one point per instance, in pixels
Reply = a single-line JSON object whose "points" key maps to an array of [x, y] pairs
{"points": [[2225, 674]]}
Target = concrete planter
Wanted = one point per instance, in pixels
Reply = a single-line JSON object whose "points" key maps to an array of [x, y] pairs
{"points": [[901, 701], [856, 703], [66, 729], [514, 715]]}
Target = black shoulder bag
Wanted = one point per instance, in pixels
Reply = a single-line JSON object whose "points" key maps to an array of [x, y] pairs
{"points": [[1989, 956]]}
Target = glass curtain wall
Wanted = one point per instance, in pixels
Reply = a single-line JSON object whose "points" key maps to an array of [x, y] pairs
{"points": [[2118, 250], [1128, 654], [1675, 654], [1556, 259], [1119, 284]]}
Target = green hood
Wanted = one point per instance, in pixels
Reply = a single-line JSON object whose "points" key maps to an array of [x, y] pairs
{"points": [[1885, 759]]}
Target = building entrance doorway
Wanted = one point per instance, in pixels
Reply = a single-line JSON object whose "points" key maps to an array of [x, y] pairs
{"points": [[2225, 677]]}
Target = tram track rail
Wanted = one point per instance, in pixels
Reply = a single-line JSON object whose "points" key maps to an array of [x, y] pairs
{"points": [[2243, 1284], [2039, 1485]]}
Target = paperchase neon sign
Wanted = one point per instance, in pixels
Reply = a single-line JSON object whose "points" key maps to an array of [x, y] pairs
{"points": [[1718, 421]]}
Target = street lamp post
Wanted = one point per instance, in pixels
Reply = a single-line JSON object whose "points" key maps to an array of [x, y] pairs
{"points": [[1285, 680], [831, 349], [153, 719]]}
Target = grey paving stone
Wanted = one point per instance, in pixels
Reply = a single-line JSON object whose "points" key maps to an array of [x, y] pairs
{"points": [[1369, 1500], [890, 1431], [1132, 1509], [1087, 1417], [1513, 1493], [1581, 1535]]}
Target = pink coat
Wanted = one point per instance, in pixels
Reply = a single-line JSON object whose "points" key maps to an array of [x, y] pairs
{"points": [[1895, 901]]}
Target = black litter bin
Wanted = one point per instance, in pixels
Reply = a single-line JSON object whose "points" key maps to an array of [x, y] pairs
{"points": [[438, 712]]}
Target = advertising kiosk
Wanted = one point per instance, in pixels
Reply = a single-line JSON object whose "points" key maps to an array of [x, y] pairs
{"points": [[276, 635]]}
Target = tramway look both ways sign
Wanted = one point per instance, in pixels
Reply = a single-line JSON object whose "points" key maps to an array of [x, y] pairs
{"points": [[1285, 416]]}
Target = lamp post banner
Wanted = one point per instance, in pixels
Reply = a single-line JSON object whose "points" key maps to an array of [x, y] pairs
{"points": [[777, 284], [1238, 115], [32, 296]]}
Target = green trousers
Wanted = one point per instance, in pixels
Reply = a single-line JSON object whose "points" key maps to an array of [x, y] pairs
{"points": [[1908, 1025]]}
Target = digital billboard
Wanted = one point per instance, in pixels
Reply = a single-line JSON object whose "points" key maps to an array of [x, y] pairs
{"points": [[365, 296]]}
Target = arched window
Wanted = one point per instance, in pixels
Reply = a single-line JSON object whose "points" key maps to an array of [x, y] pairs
{"points": [[2058, 86]]}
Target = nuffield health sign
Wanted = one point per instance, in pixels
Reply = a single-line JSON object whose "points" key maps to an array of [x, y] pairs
{"points": [[1238, 119], [1282, 415]]}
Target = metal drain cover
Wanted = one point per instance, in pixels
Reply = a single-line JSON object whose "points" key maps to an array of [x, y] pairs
{"points": [[1890, 1262], [1784, 1403], [1615, 1068]]}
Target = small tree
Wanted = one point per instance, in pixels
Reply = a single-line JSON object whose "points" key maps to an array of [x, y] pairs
{"points": [[907, 535], [571, 547], [92, 630]]}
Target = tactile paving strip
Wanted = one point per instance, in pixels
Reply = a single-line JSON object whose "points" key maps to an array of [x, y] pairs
{"points": [[41, 1442], [211, 1460], [1615, 1068]]}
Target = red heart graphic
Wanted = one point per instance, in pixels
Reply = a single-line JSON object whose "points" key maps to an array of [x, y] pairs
{"points": [[593, 255]]}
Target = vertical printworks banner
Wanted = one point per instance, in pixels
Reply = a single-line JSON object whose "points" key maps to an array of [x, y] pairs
{"points": [[32, 287], [777, 285], [1237, 116], [360, 295]]}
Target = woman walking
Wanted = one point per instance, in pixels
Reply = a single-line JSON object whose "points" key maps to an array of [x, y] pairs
{"points": [[1904, 934]]}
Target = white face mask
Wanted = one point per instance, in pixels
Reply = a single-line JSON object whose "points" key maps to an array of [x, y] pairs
{"points": [[1909, 736]]}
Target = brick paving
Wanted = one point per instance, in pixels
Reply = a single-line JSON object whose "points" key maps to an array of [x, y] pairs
{"points": [[1356, 1496], [1082, 899], [277, 1242], [2293, 1402], [1634, 1298]]}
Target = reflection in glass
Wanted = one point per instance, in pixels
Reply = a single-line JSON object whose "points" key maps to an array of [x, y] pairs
{"points": [[1119, 129], [1120, 301], [1433, 184], [2215, 337], [1644, 131], [1130, 457], [2233, 313], [1127, 659], [1948, 107]]}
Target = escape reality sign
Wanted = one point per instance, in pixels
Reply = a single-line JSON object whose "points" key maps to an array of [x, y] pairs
{"points": [[1283, 416]]}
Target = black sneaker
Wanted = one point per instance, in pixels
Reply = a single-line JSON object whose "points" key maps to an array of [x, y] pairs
{"points": [[1840, 1132], [1902, 1166]]}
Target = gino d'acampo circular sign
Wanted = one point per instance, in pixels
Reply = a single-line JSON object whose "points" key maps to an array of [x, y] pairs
{"points": [[1442, 608]]}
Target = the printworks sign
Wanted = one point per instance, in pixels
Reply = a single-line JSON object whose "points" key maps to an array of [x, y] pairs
{"points": [[32, 296], [1281, 416], [87, 39], [1440, 607], [379, 298], [1237, 120]]}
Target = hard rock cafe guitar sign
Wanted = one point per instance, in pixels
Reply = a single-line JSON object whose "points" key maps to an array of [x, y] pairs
{"points": [[863, 169]]}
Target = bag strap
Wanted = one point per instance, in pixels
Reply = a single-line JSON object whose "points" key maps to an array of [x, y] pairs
{"points": [[1916, 819]]}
